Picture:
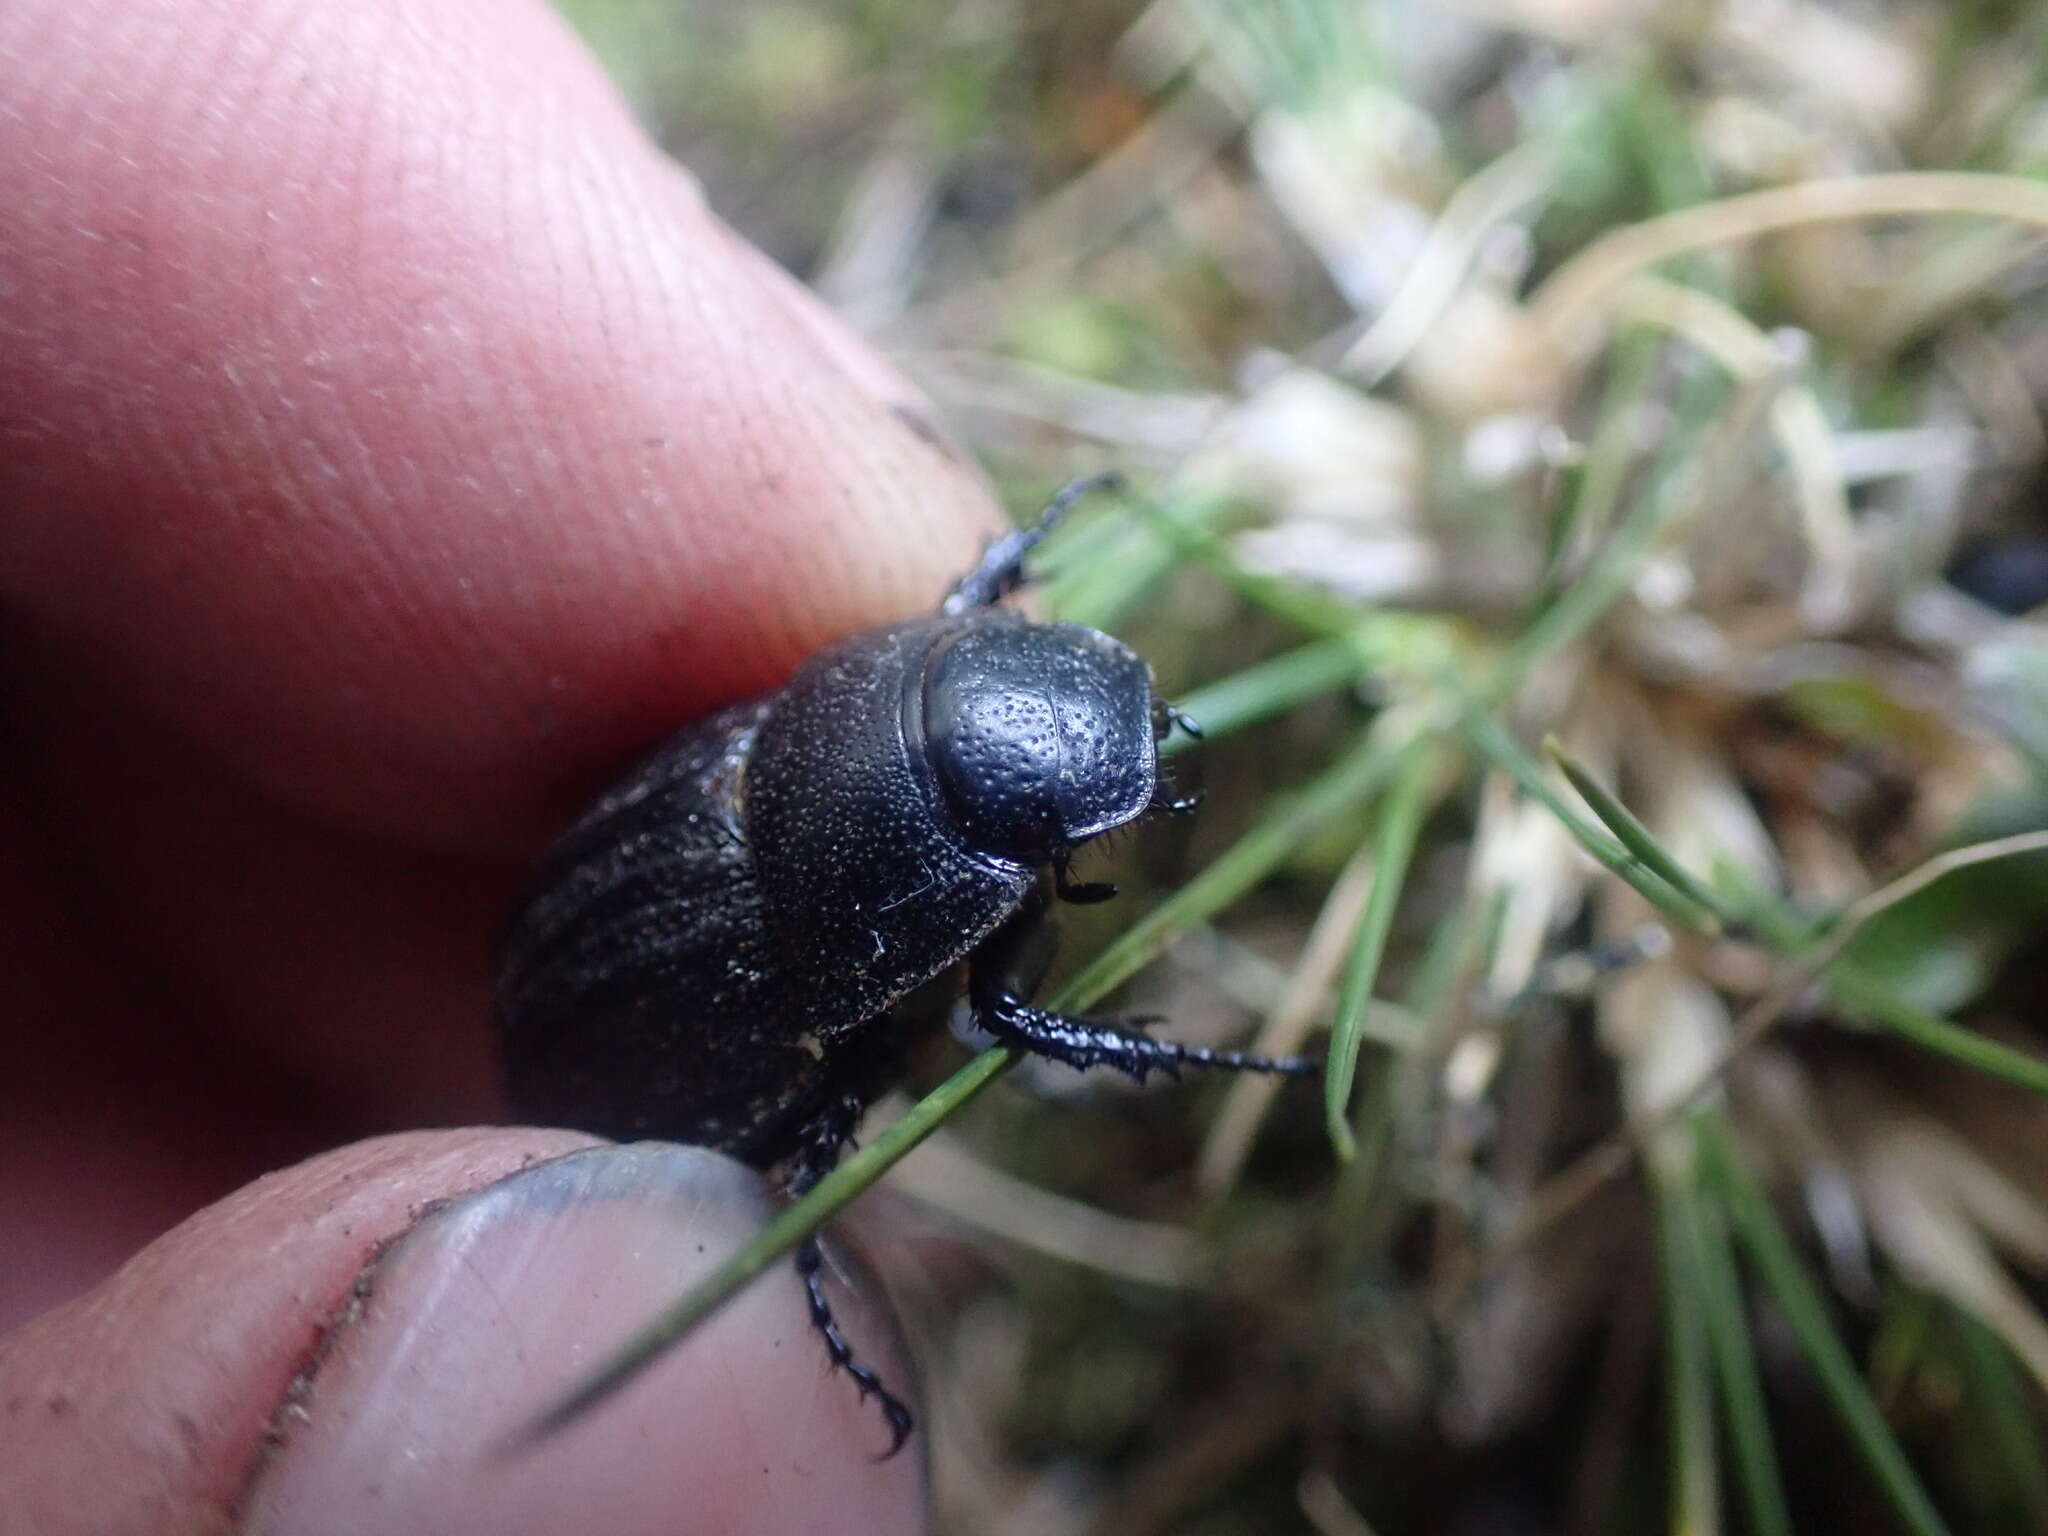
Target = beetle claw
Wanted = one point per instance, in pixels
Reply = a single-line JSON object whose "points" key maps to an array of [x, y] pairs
{"points": [[901, 1423]]}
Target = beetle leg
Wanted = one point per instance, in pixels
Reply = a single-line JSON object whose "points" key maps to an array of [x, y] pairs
{"points": [[810, 1260], [1165, 799], [1012, 962], [822, 1139], [1189, 725], [1084, 1043], [1081, 893], [1001, 570]]}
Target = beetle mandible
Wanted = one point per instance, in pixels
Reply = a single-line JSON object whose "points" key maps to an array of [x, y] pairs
{"points": [[737, 945]]}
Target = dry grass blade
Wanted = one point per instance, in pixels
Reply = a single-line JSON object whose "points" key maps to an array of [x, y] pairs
{"points": [[1797, 421], [1936, 1206], [1309, 989], [1573, 300], [1498, 193], [944, 1175], [1569, 1189]]}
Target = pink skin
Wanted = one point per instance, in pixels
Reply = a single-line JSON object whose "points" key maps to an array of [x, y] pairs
{"points": [[390, 444]]}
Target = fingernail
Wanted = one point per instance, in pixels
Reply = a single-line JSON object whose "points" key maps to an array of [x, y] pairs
{"points": [[497, 1303]]}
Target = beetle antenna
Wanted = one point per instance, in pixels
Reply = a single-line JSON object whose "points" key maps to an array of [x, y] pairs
{"points": [[1190, 727], [1001, 570]]}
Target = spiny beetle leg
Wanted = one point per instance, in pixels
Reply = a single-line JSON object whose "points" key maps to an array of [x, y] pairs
{"points": [[1081, 893], [810, 1261], [1084, 1043], [821, 1141], [1001, 570], [1009, 966]]}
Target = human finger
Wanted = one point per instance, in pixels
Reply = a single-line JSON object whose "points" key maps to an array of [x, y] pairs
{"points": [[387, 416], [334, 1349]]}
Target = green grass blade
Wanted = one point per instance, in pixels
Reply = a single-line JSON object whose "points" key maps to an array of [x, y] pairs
{"points": [[1719, 1290], [1378, 637], [1597, 481], [1770, 1248], [1493, 741], [779, 1238], [1309, 608], [1585, 599], [1445, 961], [1399, 824], [1858, 992], [1269, 688], [1695, 1485], [1094, 570], [2003, 1403], [1638, 839]]}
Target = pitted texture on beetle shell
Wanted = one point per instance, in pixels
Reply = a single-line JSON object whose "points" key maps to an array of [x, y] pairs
{"points": [[871, 891], [1041, 734]]}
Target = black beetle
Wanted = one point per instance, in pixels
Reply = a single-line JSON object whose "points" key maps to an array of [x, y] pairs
{"points": [[737, 945]]}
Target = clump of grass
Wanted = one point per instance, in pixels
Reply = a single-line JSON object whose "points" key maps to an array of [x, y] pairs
{"points": [[1590, 462]]}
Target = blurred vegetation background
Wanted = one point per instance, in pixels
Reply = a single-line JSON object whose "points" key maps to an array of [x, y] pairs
{"points": [[1590, 463]]}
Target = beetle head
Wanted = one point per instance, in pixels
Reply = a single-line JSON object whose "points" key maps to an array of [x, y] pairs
{"points": [[1042, 735]]}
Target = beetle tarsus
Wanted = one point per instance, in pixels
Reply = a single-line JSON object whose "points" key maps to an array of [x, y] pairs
{"points": [[810, 1260], [1084, 1043], [821, 1143], [1001, 570]]}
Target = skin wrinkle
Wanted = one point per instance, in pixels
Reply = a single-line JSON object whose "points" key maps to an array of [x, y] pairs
{"points": [[575, 190], [341, 136], [388, 46]]}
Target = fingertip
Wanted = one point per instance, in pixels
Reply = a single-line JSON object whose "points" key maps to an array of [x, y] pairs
{"points": [[417, 1416], [140, 1405], [388, 414], [341, 1346]]}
